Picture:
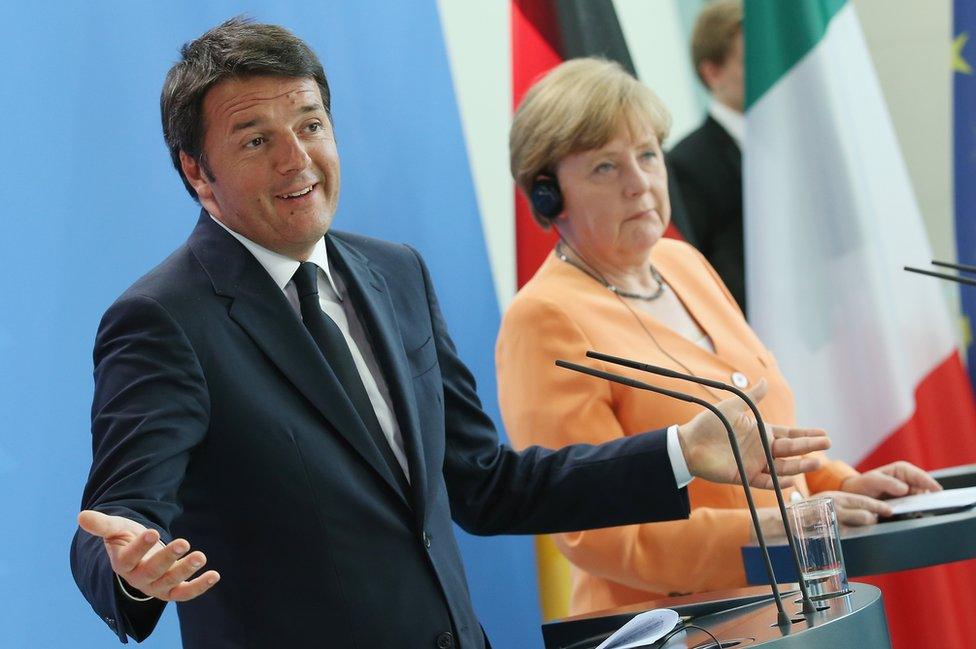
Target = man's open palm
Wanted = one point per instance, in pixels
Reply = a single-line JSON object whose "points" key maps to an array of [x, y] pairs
{"points": [[145, 564], [705, 443]]}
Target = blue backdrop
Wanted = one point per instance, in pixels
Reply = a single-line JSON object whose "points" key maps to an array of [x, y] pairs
{"points": [[90, 203]]}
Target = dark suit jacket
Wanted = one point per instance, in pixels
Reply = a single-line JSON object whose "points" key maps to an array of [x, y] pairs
{"points": [[707, 167], [215, 419]]}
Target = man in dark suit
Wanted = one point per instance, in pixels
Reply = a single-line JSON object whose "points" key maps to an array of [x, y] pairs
{"points": [[288, 398], [707, 163]]}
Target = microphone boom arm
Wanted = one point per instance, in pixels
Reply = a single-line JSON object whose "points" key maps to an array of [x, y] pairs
{"points": [[808, 606], [782, 618]]}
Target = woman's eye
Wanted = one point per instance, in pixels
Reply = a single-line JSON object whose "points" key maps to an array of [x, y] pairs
{"points": [[603, 167]]}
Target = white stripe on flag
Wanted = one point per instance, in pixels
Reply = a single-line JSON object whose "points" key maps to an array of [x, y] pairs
{"points": [[478, 41], [831, 218]]}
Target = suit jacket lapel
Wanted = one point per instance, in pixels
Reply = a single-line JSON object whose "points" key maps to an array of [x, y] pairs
{"points": [[263, 311], [371, 297]]}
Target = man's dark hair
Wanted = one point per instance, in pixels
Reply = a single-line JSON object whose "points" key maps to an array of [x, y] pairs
{"points": [[235, 49], [719, 22]]}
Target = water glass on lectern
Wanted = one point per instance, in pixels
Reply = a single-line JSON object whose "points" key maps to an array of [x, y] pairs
{"points": [[814, 524]]}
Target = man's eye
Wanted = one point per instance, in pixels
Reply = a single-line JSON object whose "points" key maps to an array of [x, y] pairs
{"points": [[255, 143], [314, 127]]}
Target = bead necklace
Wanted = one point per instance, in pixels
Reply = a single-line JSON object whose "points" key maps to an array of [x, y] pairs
{"points": [[610, 287]]}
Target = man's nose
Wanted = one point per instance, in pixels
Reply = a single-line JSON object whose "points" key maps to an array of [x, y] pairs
{"points": [[291, 156]]}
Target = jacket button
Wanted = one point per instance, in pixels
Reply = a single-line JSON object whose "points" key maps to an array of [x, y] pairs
{"points": [[426, 539], [445, 640]]}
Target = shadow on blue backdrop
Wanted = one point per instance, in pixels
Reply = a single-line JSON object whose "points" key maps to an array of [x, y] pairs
{"points": [[90, 203]]}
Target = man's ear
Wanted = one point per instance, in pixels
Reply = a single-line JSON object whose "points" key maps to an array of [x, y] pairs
{"points": [[709, 70], [197, 178]]}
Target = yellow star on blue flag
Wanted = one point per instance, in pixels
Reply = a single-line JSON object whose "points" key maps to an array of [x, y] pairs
{"points": [[959, 64]]}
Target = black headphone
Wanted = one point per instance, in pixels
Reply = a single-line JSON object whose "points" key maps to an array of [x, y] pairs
{"points": [[545, 196]]}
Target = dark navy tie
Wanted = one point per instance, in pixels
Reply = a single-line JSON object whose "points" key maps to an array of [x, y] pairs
{"points": [[334, 348]]}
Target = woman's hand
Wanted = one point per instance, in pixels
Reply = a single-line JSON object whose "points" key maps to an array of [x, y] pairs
{"points": [[855, 509], [891, 481]]}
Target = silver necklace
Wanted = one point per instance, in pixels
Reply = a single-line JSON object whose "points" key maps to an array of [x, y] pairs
{"points": [[610, 287]]}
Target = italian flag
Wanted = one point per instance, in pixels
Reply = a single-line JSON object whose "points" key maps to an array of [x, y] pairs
{"points": [[830, 219]]}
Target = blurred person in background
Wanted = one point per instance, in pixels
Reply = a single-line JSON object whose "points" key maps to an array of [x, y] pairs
{"points": [[707, 164]]}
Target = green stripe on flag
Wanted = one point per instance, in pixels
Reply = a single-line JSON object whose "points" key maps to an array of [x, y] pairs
{"points": [[777, 35]]}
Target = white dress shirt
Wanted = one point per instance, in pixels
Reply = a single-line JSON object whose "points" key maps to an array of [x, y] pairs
{"points": [[731, 120]]}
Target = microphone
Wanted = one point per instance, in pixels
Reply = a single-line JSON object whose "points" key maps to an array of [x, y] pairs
{"points": [[968, 281], [783, 620], [808, 605], [966, 268]]}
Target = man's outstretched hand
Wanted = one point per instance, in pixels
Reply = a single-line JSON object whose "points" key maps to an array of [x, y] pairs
{"points": [[144, 563], [705, 444]]}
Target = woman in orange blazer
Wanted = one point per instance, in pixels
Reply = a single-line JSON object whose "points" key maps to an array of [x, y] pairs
{"points": [[585, 148]]}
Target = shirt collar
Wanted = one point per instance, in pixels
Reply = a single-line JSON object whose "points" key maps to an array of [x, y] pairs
{"points": [[731, 120], [281, 267]]}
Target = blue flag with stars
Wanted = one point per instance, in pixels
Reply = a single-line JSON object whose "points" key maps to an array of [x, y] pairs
{"points": [[964, 137]]}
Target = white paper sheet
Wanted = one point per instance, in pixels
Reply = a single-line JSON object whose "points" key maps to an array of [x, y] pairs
{"points": [[643, 629], [935, 500]]}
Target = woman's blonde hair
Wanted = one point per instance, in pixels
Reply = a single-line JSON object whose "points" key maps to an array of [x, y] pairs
{"points": [[577, 106]]}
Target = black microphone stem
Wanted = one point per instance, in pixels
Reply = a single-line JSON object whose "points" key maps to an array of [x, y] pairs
{"points": [[808, 606], [783, 620], [968, 281], [966, 268]]}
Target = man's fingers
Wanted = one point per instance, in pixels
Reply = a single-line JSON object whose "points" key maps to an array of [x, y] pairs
{"points": [[128, 556], [784, 432], [156, 565], [194, 588], [796, 465], [178, 573], [103, 525], [798, 441], [758, 391]]}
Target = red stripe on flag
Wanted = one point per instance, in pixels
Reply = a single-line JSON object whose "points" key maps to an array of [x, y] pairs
{"points": [[671, 232], [934, 606], [535, 50], [535, 43], [942, 432]]}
